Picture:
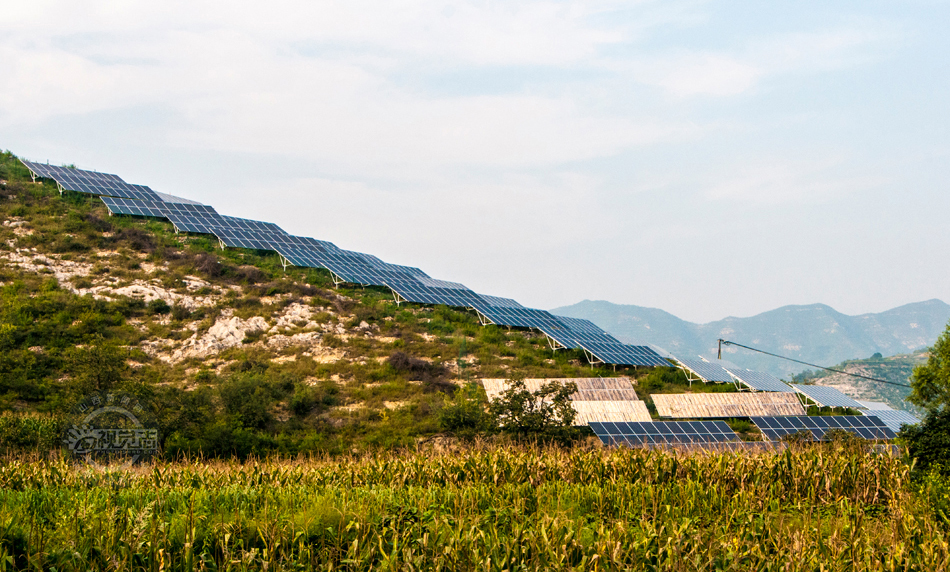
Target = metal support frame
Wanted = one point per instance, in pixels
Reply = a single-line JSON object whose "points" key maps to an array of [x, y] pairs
{"points": [[396, 296], [482, 318]]}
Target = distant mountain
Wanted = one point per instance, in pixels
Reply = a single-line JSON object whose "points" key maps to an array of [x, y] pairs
{"points": [[814, 333]]}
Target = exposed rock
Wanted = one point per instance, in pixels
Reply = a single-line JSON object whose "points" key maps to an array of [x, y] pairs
{"points": [[228, 331]]}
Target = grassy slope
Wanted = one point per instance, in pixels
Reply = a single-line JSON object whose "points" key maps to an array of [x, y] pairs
{"points": [[252, 397]]}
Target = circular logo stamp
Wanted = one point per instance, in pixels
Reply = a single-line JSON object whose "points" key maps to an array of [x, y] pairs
{"points": [[112, 429]]}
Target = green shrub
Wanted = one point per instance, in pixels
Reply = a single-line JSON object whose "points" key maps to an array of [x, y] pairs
{"points": [[159, 306]]}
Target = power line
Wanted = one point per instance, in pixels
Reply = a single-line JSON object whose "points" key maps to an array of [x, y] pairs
{"points": [[728, 343]]}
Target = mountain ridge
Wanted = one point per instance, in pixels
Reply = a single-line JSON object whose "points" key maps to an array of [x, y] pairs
{"points": [[816, 333]]}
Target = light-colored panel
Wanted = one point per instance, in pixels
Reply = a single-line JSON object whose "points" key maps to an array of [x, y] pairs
{"points": [[588, 389], [720, 405], [610, 411]]}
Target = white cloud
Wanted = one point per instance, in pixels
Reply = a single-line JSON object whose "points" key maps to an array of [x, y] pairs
{"points": [[770, 181]]}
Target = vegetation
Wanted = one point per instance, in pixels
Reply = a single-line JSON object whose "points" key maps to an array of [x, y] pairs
{"points": [[374, 374], [828, 506], [897, 369], [931, 381]]}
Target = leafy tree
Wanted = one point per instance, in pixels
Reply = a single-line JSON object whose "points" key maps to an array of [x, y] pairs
{"points": [[97, 367], [929, 442], [930, 382], [519, 410]]}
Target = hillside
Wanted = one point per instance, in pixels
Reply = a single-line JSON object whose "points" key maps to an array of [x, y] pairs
{"points": [[814, 333], [896, 369], [234, 353]]}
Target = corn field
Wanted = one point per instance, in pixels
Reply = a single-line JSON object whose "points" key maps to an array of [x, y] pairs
{"points": [[827, 507]]}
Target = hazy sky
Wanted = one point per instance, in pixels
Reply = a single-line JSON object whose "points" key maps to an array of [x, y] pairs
{"points": [[706, 158]]}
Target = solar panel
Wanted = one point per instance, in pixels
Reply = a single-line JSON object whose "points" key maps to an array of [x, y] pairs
{"points": [[175, 199], [708, 372], [774, 428], [874, 405], [758, 380], [91, 182], [723, 405], [893, 418], [612, 411], [826, 396], [646, 434], [583, 326], [498, 302]]}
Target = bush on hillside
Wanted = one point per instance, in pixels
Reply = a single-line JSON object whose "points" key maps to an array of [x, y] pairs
{"points": [[466, 414]]}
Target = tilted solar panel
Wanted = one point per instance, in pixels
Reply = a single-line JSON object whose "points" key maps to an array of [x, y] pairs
{"points": [[758, 380], [579, 325], [251, 225], [893, 418], [706, 371], [877, 405], [38, 169], [91, 182], [826, 396], [499, 302], [646, 434], [774, 428]]}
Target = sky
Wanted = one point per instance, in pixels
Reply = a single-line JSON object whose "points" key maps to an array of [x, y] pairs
{"points": [[711, 159]]}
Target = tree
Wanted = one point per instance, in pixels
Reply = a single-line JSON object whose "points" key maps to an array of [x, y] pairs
{"points": [[97, 367], [930, 382], [929, 442], [518, 410], [465, 415]]}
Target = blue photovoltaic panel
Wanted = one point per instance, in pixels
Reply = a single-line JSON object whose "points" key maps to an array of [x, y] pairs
{"points": [[583, 326], [91, 182], [623, 354], [759, 381], [500, 302], [173, 199], [826, 396], [185, 217], [709, 372], [435, 283], [646, 434], [893, 418], [38, 169], [774, 428]]}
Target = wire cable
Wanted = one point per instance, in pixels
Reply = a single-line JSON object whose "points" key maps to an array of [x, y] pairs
{"points": [[728, 343]]}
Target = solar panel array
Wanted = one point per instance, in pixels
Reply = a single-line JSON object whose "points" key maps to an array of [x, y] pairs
{"points": [[893, 418], [758, 380], [90, 182], [708, 372], [723, 405], [646, 434], [826, 396], [774, 428], [407, 283]]}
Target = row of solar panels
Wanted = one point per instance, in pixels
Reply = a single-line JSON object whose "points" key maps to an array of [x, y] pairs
{"points": [[639, 434], [407, 283]]}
